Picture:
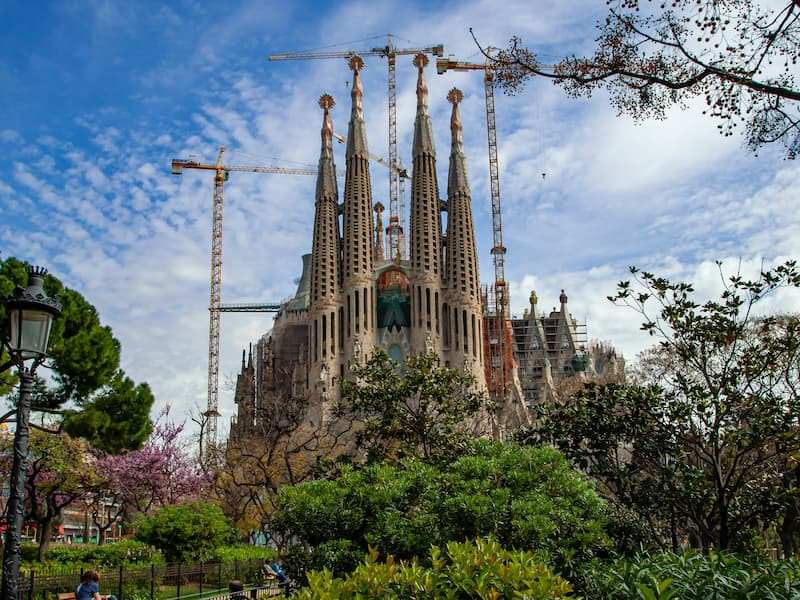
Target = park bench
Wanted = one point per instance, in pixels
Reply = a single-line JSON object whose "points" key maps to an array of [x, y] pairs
{"points": [[66, 596]]}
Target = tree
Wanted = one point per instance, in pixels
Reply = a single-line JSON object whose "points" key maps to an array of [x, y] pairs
{"points": [[715, 434], [60, 470], [160, 474], [84, 359], [280, 448], [422, 409], [118, 418], [525, 498], [186, 532], [608, 431], [739, 55]]}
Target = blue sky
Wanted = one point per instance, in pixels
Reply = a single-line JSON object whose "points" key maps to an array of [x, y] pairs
{"points": [[99, 96]]}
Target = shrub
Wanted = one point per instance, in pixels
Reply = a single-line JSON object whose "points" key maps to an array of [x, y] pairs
{"points": [[124, 552], [693, 576], [482, 569], [186, 532], [526, 498]]}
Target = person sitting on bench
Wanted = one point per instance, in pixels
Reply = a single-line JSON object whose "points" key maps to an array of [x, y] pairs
{"points": [[89, 589]]}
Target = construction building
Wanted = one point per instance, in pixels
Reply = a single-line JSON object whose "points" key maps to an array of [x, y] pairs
{"points": [[353, 296]]}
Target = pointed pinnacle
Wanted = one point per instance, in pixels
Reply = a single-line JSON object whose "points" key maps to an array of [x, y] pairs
{"points": [[327, 102], [356, 64], [421, 61], [455, 96]]}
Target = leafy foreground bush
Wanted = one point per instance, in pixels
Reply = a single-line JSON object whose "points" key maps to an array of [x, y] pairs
{"points": [[693, 576], [482, 569]]}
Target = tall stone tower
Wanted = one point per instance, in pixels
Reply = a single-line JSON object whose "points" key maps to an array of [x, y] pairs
{"points": [[325, 304], [426, 228], [358, 283], [461, 312]]}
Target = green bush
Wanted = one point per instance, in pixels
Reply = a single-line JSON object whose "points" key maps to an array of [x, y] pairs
{"points": [[124, 552], [482, 569], [692, 576], [187, 532], [526, 498]]}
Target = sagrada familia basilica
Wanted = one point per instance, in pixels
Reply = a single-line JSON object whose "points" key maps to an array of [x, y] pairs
{"points": [[351, 298]]}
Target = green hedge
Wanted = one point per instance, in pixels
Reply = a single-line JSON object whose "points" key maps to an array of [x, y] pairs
{"points": [[124, 552]]}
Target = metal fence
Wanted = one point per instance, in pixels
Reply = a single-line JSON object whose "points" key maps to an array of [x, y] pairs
{"points": [[155, 582]]}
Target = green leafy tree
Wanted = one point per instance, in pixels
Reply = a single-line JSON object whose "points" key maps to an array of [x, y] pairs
{"points": [[714, 435], [83, 357], [422, 409], [608, 432], [186, 532], [117, 418], [738, 55], [526, 498]]}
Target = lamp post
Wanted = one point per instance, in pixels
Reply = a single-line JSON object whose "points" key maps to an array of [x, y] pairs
{"points": [[30, 313]]}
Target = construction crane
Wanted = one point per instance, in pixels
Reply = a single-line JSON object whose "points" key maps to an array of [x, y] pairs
{"points": [[402, 175], [395, 234], [221, 172], [499, 346]]}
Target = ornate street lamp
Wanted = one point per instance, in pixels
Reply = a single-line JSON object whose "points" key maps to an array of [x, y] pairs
{"points": [[31, 313]]}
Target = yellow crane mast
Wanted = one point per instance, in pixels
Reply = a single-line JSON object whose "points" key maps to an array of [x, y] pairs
{"points": [[221, 172], [394, 231]]}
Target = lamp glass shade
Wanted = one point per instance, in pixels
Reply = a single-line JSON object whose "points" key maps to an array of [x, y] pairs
{"points": [[30, 331]]}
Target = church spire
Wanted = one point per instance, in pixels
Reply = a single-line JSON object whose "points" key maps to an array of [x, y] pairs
{"points": [[423, 132], [325, 243], [426, 216], [326, 177], [358, 285], [461, 267], [357, 135], [457, 179]]}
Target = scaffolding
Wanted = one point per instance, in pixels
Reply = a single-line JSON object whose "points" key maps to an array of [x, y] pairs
{"points": [[564, 350], [497, 344]]}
